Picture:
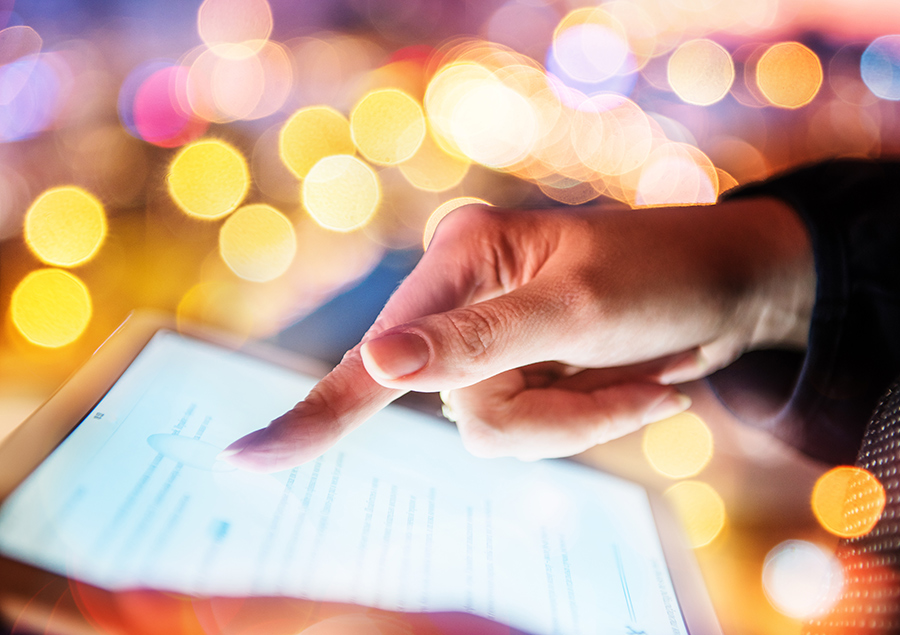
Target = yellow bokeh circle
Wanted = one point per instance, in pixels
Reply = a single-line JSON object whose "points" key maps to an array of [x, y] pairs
{"points": [[700, 509], [432, 169], [51, 307], [789, 75], [700, 72], [678, 447], [65, 226], [257, 243], [310, 135], [848, 501], [209, 179], [387, 126], [341, 193]]}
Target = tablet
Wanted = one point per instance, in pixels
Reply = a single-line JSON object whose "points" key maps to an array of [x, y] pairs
{"points": [[115, 483]]}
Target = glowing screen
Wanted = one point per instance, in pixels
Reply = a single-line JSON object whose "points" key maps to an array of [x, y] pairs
{"points": [[396, 516]]}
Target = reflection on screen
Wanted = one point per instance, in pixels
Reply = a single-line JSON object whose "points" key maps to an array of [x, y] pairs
{"points": [[396, 516]]}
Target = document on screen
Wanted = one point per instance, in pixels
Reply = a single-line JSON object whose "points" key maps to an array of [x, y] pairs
{"points": [[397, 515]]}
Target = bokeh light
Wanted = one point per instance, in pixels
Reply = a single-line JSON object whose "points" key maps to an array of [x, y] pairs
{"points": [[848, 501], [150, 108], [677, 174], [433, 169], [591, 50], [525, 27], [700, 509], [51, 307], [571, 191], [65, 226], [224, 22], [387, 126], [31, 96], [700, 72], [257, 243], [311, 134], [802, 580], [611, 135], [880, 67], [208, 179], [678, 447], [477, 115], [224, 88], [341, 193], [17, 42], [789, 75], [444, 209]]}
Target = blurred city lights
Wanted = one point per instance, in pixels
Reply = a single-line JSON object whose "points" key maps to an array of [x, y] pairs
{"points": [[700, 509], [341, 193], [571, 191], [311, 134], [677, 174], [789, 74], [30, 97], [244, 22], [494, 125], [17, 42], [432, 169], [678, 447], [225, 87], [150, 109], [387, 126], [257, 243], [244, 83], [848, 501], [51, 307], [880, 67], [444, 209], [802, 580], [591, 52], [700, 72], [525, 27], [65, 226], [208, 179]]}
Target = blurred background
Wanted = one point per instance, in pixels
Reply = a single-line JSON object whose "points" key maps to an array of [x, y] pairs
{"points": [[276, 167]]}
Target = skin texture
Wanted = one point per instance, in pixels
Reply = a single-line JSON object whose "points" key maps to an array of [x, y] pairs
{"points": [[551, 331]]}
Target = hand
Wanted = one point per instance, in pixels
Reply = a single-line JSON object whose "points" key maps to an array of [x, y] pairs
{"points": [[556, 330]]}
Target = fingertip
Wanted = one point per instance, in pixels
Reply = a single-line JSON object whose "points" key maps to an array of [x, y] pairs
{"points": [[239, 445], [689, 366]]}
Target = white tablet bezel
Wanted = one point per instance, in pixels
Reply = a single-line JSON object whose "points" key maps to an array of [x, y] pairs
{"points": [[31, 442]]}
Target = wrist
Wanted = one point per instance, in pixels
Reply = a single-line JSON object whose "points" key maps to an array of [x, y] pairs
{"points": [[780, 306]]}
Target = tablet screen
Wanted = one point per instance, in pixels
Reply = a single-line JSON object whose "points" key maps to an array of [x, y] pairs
{"points": [[397, 515]]}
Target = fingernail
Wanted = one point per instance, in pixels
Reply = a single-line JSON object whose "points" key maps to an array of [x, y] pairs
{"points": [[690, 368], [672, 405], [396, 355], [224, 454]]}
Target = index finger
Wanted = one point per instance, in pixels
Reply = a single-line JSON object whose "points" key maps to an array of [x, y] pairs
{"points": [[348, 396]]}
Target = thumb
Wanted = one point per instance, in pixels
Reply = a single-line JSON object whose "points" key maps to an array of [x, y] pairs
{"points": [[466, 345]]}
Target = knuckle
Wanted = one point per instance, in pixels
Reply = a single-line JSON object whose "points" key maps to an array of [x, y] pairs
{"points": [[474, 331], [485, 430], [467, 226], [468, 218], [478, 438]]}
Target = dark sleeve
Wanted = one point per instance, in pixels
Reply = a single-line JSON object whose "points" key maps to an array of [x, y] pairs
{"points": [[820, 400]]}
